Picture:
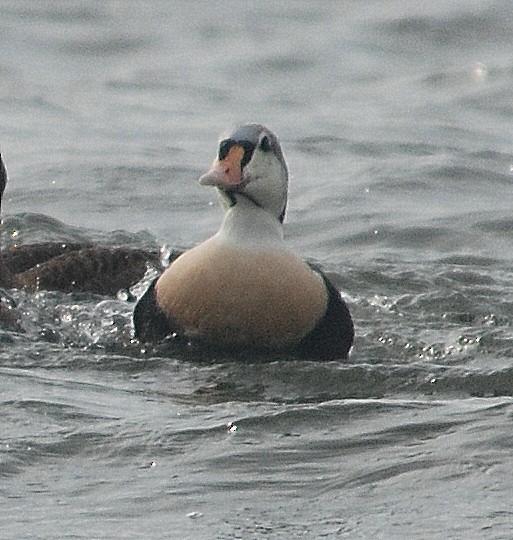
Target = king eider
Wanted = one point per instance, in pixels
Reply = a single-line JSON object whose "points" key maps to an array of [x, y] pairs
{"points": [[243, 288]]}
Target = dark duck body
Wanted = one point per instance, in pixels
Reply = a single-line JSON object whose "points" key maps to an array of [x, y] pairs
{"points": [[70, 267], [243, 288]]}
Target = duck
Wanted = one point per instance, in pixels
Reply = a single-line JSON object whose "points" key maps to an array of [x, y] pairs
{"points": [[9, 317], [3, 180], [72, 266], [244, 289]]}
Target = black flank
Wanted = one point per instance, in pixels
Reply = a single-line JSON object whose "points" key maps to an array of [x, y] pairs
{"points": [[332, 337], [150, 323]]}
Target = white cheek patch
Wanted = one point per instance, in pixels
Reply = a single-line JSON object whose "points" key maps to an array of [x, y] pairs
{"points": [[263, 164], [263, 174]]}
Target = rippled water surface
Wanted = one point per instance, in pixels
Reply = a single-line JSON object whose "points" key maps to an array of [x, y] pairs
{"points": [[396, 121]]}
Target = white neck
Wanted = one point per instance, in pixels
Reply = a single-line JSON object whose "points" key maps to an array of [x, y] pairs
{"points": [[249, 226]]}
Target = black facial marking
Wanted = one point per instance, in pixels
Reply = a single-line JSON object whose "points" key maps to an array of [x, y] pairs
{"points": [[231, 197], [224, 148], [226, 145]]}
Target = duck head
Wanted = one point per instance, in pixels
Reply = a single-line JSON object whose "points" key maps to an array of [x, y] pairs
{"points": [[250, 164]]}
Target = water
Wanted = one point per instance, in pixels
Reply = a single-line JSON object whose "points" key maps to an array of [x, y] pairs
{"points": [[395, 118]]}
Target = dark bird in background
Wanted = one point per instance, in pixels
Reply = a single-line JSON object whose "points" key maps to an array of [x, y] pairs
{"points": [[69, 267]]}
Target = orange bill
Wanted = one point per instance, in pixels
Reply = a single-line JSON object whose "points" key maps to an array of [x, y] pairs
{"points": [[227, 172]]}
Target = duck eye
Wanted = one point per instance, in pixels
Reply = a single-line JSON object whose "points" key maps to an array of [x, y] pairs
{"points": [[265, 144]]}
